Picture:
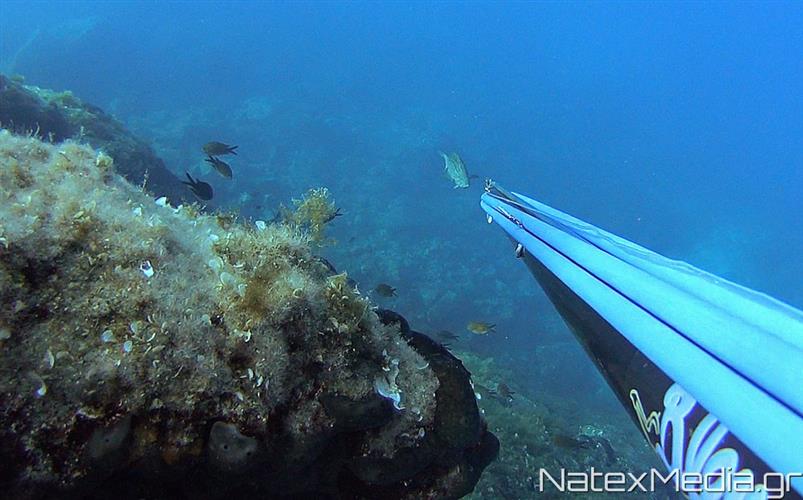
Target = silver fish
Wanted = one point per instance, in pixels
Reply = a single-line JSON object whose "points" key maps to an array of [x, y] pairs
{"points": [[455, 169]]}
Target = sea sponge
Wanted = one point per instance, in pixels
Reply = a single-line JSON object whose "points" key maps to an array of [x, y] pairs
{"points": [[107, 446], [229, 450]]}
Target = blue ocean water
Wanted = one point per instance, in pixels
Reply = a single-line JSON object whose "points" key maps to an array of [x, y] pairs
{"points": [[676, 125]]}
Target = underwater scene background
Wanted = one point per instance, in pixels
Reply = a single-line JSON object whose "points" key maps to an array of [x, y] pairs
{"points": [[675, 125]]}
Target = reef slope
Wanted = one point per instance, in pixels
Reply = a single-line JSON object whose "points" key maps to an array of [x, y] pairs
{"points": [[148, 351], [58, 116]]}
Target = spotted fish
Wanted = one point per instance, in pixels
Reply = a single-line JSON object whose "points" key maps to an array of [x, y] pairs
{"points": [[455, 169]]}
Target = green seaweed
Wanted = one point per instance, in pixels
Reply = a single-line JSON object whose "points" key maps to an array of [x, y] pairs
{"points": [[313, 211]]}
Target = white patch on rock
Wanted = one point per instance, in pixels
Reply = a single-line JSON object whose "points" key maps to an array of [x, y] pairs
{"points": [[146, 268]]}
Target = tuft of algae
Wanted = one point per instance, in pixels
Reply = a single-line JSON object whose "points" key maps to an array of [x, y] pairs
{"points": [[312, 212], [138, 337]]}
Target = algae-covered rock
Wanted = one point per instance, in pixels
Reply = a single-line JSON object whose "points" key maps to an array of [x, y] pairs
{"points": [[447, 457], [59, 116], [154, 352]]}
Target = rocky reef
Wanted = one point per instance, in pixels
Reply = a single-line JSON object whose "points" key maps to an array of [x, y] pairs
{"points": [[57, 116], [152, 351], [543, 431]]}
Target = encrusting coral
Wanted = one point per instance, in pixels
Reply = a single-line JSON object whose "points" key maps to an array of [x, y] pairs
{"points": [[145, 346]]}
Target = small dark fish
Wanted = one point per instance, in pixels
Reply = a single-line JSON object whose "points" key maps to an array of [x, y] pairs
{"points": [[328, 265], [221, 166], [604, 444], [503, 394], [277, 218], [447, 336], [610, 454], [330, 218], [199, 188], [504, 391], [215, 148], [484, 392], [385, 290], [570, 443]]}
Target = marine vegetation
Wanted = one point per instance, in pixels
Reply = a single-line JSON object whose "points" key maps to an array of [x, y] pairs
{"points": [[312, 212], [152, 351]]}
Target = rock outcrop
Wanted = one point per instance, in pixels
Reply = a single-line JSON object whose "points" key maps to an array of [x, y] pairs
{"points": [[152, 351]]}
